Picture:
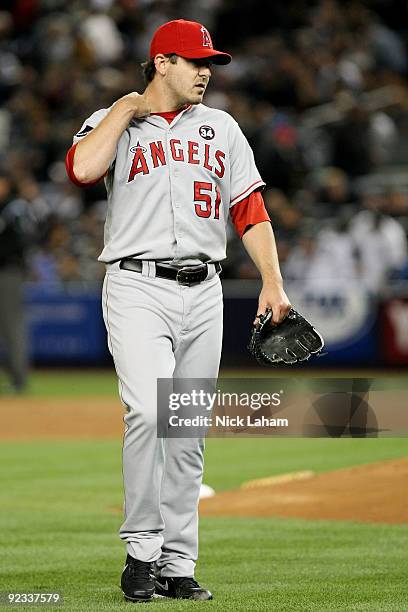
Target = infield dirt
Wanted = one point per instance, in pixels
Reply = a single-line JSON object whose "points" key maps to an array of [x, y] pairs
{"points": [[375, 492]]}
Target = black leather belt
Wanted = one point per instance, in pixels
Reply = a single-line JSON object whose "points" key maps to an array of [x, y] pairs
{"points": [[187, 275]]}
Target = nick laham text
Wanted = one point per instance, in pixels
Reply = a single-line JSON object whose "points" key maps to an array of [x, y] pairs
{"points": [[227, 421]]}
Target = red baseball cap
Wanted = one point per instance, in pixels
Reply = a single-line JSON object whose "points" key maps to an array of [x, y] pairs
{"points": [[188, 39]]}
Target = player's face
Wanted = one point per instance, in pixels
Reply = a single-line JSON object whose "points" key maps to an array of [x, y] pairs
{"points": [[188, 79]]}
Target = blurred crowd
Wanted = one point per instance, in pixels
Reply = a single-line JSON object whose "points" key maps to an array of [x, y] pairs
{"points": [[319, 88]]}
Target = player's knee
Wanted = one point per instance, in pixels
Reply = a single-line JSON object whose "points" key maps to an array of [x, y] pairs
{"points": [[141, 421]]}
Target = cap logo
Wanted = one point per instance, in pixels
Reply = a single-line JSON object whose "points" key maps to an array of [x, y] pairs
{"points": [[206, 38]]}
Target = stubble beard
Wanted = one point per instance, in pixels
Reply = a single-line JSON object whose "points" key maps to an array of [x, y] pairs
{"points": [[196, 98]]}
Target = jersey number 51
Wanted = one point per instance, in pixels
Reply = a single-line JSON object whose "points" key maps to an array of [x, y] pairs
{"points": [[204, 196]]}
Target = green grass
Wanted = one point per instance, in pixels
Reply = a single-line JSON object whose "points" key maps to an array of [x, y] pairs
{"points": [[249, 564], [229, 462], [70, 473], [60, 513], [74, 383]]}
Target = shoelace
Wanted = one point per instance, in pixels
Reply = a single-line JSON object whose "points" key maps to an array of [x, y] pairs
{"points": [[142, 569], [188, 583]]}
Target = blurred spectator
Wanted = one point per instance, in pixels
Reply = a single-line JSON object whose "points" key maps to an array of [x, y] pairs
{"points": [[101, 34], [351, 142], [332, 192], [381, 242], [323, 258]]}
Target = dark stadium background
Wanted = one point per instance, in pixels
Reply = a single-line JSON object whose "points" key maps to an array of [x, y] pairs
{"points": [[320, 90]]}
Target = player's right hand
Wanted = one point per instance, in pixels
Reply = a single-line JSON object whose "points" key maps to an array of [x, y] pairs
{"points": [[139, 103]]}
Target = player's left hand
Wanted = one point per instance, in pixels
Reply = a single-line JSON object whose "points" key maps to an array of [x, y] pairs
{"points": [[274, 297]]}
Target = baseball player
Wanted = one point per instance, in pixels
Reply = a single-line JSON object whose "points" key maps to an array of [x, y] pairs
{"points": [[174, 171]]}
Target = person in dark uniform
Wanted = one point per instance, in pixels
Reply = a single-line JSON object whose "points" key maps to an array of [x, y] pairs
{"points": [[16, 232]]}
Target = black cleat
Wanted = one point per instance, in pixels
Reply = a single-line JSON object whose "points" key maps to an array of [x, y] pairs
{"points": [[137, 581], [181, 588]]}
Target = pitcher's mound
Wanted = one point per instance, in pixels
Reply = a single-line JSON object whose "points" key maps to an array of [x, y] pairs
{"points": [[376, 492]]}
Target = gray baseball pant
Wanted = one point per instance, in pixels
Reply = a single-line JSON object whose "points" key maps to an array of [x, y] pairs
{"points": [[13, 331], [158, 328]]}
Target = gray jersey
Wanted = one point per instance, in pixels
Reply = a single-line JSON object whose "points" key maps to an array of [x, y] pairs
{"points": [[170, 187]]}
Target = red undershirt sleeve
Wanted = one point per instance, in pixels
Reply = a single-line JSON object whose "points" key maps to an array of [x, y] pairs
{"points": [[249, 211], [69, 165]]}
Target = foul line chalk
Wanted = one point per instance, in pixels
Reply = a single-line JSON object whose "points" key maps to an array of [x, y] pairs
{"points": [[274, 480]]}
